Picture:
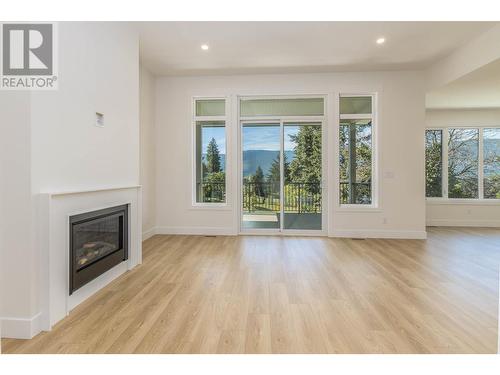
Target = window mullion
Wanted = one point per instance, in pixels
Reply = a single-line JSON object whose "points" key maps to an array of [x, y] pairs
{"points": [[445, 139], [480, 156]]}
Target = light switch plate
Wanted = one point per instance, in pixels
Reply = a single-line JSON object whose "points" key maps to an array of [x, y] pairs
{"points": [[99, 119]]}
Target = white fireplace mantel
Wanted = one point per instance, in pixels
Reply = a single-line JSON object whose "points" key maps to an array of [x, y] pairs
{"points": [[55, 208]]}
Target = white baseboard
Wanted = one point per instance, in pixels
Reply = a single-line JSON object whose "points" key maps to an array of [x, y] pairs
{"points": [[18, 328], [198, 231], [374, 233], [367, 233], [148, 233], [463, 223]]}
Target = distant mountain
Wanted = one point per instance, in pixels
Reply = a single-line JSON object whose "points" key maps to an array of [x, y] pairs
{"points": [[253, 158], [491, 148], [222, 160]]}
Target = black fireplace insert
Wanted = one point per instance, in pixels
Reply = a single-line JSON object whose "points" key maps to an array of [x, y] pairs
{"points": [[98, 242]]}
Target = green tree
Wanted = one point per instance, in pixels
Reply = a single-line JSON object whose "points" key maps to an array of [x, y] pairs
{"points": [[258, 181], [213, 157], [433, 163], [306, 166], [273, 176], [274, 173], [463, 163], [361, 148], [214, 187]]}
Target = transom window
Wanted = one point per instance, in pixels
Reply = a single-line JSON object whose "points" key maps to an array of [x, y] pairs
{"points": [[275, 107], [462, 163]]}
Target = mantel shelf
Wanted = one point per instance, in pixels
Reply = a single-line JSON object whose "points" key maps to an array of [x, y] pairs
{"points": [[90, 190]]}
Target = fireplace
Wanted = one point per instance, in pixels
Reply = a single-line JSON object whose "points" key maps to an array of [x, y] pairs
{"points": [[98, 242]]}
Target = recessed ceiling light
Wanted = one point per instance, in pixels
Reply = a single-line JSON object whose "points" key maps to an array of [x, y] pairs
{"points": [[204, 47], [380, 40]]}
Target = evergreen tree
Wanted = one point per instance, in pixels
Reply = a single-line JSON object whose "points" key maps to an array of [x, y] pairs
{"points": [[258, 180], [215, 187], [274, 172], [213, 176], [306, 166], [203, 169], [362, 164], [213, 157]]}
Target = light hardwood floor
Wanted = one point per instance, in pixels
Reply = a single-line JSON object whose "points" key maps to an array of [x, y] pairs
{"points": [[196, 294]]}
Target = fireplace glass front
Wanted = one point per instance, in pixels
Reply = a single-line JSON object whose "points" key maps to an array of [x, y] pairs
{"points": [[98, 241]]}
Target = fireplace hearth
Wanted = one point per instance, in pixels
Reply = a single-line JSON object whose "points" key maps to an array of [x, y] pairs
{"points": [[98, 242]]}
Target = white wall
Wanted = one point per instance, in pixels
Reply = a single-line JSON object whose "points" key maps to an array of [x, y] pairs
{"points": [[16, 235], [401, 163], [53, 145], [98, 72], [448, 213], [148, 153]]}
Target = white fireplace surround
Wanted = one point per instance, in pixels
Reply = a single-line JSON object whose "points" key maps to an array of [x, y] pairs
{"points": [[55, 208]]}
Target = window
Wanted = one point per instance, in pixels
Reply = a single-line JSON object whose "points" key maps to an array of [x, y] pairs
{"points": [[491, 163], [463, 163], [434, 163], [356, 150], [210, 151], [466, 163]]}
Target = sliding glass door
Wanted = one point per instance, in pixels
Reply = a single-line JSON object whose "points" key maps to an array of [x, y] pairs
{"points": [[261, 195], [281, 165], [302, 176]]}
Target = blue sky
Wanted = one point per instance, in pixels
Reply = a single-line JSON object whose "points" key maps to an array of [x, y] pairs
{"points": [[254, 138], [267, 137], [219, 133], [492, 133]]}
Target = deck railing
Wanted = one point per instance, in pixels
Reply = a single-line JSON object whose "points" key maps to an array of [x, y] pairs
{"points": [[355, 192], [211, 192], [298, 197]]}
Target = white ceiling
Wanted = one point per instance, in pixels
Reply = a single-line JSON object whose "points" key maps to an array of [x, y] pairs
{"points": [[478, 89], [173, 48]]}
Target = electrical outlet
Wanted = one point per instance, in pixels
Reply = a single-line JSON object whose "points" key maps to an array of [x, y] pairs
{"points": [[384, 220]]}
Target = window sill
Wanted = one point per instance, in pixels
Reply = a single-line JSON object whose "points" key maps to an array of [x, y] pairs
{"points": [[211, 207], [352, 208], [467, 202]]}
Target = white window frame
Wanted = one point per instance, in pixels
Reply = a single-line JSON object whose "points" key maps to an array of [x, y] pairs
{"points": [[375, 201], [480, 175], [444, 163], [226, 118]]}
